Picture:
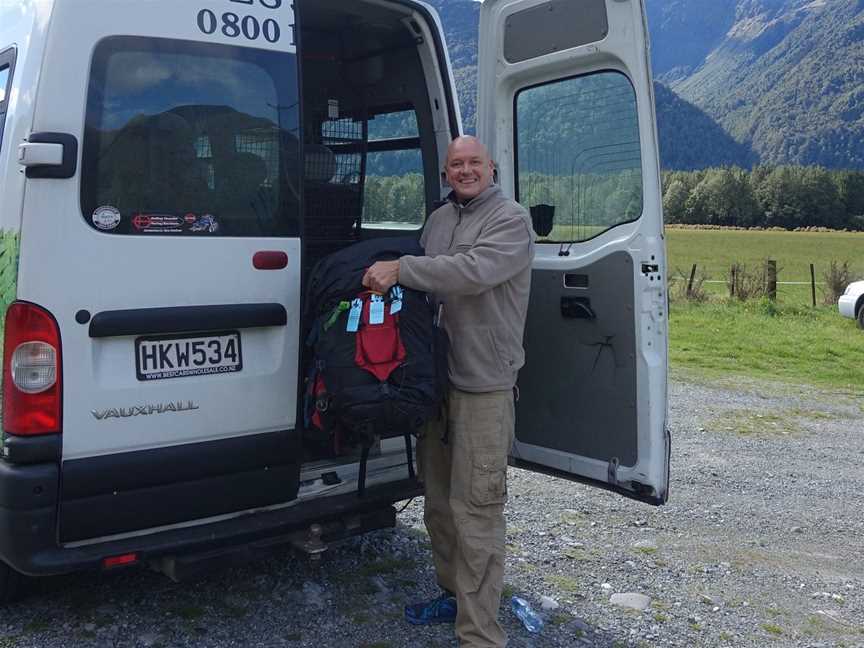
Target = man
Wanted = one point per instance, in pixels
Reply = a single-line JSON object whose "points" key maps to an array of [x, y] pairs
{"points": [[479, 248]]}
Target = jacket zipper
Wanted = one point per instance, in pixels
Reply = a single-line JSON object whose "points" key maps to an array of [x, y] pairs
{"points": [[453, 233]]}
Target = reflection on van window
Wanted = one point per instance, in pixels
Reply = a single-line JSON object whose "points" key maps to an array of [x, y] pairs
{"points": [[191, 139], [395, 193], [579, 157], [395, 124], [4, 81]]}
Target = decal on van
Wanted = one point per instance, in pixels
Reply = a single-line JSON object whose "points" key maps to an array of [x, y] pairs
{"points": [[9, 247], [144, 410], [106, 217], [8, 269]]}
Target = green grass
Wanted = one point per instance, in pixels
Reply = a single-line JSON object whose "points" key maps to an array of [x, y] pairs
{"points": [[714, 251], [793, 344]]}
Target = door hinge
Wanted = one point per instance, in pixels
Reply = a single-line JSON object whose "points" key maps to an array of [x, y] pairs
{"points": [[612, 471]]}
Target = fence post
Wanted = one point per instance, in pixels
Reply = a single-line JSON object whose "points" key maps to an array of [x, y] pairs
{"points": [[813, 284], [732, 280], [690, 283], [771, 279]]}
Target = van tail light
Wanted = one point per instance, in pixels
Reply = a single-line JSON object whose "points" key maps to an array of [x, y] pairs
{"points": [[32, 376]]}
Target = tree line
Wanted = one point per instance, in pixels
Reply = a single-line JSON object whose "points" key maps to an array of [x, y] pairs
{"points": [[788, 197]]}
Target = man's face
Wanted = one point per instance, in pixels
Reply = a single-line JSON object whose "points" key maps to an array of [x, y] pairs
{"points": [[468, 168]]}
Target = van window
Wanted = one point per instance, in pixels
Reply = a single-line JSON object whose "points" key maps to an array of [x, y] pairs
{"points": [[7, 60], [579, 163], [187, 138], [4, 80], [395, 193]]}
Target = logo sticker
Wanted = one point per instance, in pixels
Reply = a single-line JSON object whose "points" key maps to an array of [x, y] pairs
{"points": [[157, 223], [106, 217], [207, 223]]}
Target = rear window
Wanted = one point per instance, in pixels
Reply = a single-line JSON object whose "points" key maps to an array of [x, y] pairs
{"points": [[7, 59], [191, 139]]}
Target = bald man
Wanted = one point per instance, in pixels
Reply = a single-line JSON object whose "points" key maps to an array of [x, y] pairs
{"points": [[479, 247]]}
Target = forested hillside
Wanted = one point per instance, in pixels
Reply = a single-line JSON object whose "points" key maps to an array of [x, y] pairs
{"points": [[784, 76], [776, 81]]}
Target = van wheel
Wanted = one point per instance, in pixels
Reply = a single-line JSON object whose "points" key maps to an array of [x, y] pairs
{"points": [[10, 584], [861, 317]]}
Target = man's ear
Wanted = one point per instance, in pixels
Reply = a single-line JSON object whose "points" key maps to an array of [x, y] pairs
{"points": [[444, 181]]}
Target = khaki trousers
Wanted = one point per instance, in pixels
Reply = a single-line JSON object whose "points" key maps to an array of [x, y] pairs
{"points": [[466, 487]]}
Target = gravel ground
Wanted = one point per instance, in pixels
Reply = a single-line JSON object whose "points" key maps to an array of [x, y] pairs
{"points": [[760, 545]]}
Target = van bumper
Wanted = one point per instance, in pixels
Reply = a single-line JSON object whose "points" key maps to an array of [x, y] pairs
{"points": [[28, 524]]}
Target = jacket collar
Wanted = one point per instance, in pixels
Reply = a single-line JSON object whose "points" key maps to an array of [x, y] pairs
{"points": [[475, 203]]}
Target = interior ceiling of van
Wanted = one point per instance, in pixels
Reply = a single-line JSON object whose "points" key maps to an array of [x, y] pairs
{"points": [[364, 28]]}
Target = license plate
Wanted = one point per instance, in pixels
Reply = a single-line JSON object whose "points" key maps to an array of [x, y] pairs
{"points": [[158, 358]]}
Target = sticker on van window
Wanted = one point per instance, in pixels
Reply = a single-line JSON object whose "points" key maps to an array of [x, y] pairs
{"points": [[106, 217], [157, 223], [207, 223]]}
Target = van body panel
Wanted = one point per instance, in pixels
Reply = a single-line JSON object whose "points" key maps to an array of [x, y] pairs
{"points": [[114, 403], [570, 122]]}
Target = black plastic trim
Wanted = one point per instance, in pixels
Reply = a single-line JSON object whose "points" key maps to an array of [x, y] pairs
{"points": [[25, 488], [186, 319], [28, 542], [69, 165], [129, 491], [653, 499], [32, 449]]}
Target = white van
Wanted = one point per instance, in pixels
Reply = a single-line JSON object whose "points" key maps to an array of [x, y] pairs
{"points": [[169, 173]]}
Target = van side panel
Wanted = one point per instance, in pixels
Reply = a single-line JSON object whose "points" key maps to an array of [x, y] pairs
{"points": [[23, 29]]}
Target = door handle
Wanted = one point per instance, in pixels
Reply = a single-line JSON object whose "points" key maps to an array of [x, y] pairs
{"points": [[577, 308], [49, 155], [39, 154]]}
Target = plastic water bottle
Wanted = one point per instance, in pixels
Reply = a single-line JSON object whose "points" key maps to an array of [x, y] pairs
{"points": [[529, 618]]}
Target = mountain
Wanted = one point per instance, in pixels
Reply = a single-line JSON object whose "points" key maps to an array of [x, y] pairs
{"points": [[776, 81], [785, 76], [689, 139]]}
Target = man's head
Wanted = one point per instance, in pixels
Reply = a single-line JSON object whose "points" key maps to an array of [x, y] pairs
{"points": [[468, 167]]}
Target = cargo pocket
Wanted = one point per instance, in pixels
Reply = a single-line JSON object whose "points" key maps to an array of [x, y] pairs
{"points": [[488, 479]]}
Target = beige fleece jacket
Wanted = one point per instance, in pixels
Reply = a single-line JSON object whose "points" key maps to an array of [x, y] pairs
{"points": [[478, 264]]}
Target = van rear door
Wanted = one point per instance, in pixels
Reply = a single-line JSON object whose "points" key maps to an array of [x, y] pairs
{"points": [[566, 104], [168, 251]]}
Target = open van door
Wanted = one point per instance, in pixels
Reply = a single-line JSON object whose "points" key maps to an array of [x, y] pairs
{"points": [[567, 107]]}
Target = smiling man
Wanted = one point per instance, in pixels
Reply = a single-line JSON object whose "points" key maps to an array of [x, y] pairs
{"points": [[479, 247]]}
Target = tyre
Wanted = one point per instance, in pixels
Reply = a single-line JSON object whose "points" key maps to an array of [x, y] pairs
{"points": [[10, 582], [861, 317]]}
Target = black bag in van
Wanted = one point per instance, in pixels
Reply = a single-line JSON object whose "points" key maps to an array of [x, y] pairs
{"points": [[377, 364]]}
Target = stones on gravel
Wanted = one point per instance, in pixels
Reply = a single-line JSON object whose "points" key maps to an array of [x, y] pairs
{"points": [[547, 603], [632, 600]]}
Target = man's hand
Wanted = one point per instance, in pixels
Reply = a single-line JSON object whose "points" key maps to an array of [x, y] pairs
{"points": [[381, 276]]}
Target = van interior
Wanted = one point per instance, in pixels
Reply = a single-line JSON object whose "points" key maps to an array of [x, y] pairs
{"points": [[371, 157]]}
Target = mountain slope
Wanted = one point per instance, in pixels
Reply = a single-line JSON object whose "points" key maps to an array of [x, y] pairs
{"points": [[786, 76], [689, 139]]}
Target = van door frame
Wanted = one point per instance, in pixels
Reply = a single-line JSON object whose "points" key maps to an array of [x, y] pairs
{"points": [[561, 446]]}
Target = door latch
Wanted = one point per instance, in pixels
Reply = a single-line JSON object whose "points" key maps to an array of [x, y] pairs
{"points": [[49, 155]]}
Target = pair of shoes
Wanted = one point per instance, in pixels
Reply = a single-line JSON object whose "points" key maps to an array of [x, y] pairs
{"points": [[439, 610]]}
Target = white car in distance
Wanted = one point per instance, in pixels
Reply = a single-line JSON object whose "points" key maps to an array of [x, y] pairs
{"points": [[851, 302]]}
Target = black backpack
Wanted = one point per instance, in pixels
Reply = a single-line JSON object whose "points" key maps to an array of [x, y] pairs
{"points": [[376, 364]]}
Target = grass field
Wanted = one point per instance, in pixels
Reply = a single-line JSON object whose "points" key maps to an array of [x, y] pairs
{"points": [[714, 251], [788, 341], [794, 344]]}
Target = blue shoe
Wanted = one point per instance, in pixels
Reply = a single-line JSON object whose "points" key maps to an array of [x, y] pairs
{"points": [[438, 610]]}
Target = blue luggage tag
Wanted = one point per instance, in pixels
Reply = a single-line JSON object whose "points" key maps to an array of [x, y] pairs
{"points": [[395, 299], [354, 316], [376, 309]]}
